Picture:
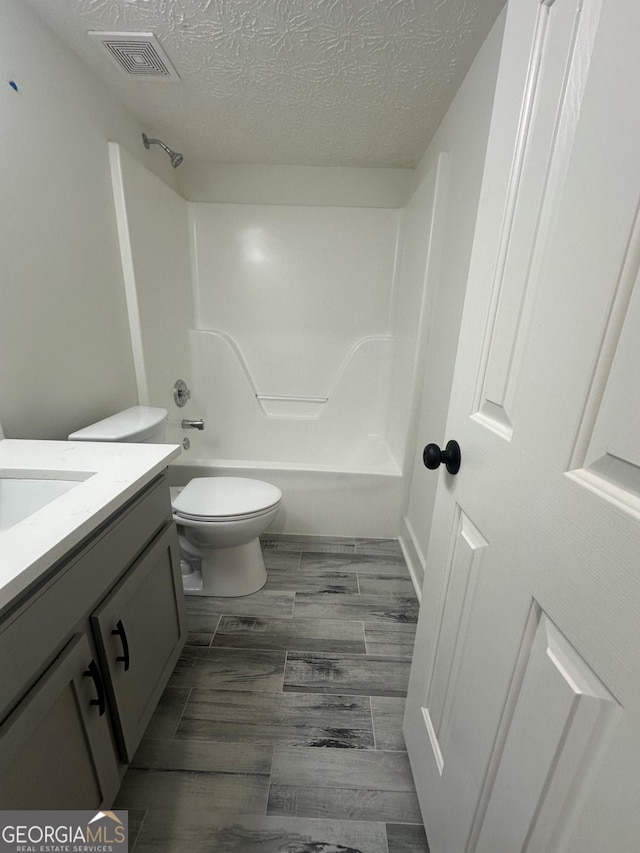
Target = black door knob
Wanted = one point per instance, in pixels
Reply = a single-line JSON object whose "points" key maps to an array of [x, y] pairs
{"points": [[432, 456]]}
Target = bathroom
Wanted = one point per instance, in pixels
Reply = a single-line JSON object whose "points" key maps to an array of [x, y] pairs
{"points": [[311, 302], [119, 308], [367, 308]]}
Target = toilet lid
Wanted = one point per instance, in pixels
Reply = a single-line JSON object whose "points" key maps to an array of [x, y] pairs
{"points": [[225, 497]]}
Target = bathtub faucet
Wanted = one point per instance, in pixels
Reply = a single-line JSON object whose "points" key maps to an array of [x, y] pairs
{"points": [[187, 424]]}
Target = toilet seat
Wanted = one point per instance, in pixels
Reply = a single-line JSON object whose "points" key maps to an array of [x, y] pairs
{"points": [[211, 499], [184, 518]]}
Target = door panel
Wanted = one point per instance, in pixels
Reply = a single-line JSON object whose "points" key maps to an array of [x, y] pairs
{"points": [[556, 36], [466, 557], [607, 458], [523, 710], [557, 730]]}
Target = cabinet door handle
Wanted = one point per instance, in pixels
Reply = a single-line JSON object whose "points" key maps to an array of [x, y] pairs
{"points": [[119, 631], [94, 672]]}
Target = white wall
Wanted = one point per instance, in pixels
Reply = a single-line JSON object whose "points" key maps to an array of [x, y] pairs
{"points": [[463, 137], [65, 354]]}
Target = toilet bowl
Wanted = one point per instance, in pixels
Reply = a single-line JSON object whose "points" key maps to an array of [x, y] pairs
{"points": [[219, 518], [219, 521]]}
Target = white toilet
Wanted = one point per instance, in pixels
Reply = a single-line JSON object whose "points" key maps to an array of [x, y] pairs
{"points": [[219, 518]]}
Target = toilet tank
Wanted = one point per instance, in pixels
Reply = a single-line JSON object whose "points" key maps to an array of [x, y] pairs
{"points": [[137, 425]]}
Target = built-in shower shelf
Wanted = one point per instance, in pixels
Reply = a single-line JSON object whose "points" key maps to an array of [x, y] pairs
{"points": [[285, 406]]}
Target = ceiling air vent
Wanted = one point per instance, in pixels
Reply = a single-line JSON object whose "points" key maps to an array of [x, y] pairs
{"points": [[137, 55]]}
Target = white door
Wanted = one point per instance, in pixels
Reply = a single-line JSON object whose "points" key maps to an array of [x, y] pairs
{"points": [[523, 714]]}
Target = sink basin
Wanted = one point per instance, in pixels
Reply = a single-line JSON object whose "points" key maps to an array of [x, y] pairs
{"points": [[21, 496]]}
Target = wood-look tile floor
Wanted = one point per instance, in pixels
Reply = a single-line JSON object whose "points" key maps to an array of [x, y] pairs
{"points": [[281, 726]]}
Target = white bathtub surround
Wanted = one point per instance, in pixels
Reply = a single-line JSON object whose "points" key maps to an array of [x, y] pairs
{"points": [[416, 282], [295, 287], [288, 351], [340, 425], [153, 230], [293, 346], [104, 477]]}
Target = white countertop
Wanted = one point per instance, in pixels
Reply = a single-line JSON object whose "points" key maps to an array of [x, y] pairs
{"points": [[113, 472]]}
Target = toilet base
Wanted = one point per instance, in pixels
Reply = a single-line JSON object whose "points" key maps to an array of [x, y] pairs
{"points": [[228, 572]]}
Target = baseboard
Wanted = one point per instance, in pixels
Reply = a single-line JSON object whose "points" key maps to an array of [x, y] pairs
{"points": [[413, 556]]}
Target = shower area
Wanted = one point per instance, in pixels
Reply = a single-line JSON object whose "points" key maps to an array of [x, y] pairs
{"points": [[298, 335]]}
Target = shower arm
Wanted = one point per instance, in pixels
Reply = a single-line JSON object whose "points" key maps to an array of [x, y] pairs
{"points": [[147, 142], [175, 156]]}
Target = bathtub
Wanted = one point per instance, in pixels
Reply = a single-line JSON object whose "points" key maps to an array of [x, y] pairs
{"points": [[361, 496]]}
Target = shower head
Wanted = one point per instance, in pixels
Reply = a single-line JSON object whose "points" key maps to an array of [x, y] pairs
{"points": [[175, 157]]}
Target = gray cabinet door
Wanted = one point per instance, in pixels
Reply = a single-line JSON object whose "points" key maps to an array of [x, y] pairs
{"points": [[140, 630], [56, 750]]}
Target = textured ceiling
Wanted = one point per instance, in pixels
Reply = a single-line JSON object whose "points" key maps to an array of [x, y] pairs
{"points": [[297, 82]]}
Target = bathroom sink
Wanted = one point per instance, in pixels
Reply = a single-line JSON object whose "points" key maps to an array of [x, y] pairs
{"points": [[21, 495]]}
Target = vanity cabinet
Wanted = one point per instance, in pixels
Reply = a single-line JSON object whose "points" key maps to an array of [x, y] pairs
{"points": [[85, 657], [138, 630], [56, 748]]}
